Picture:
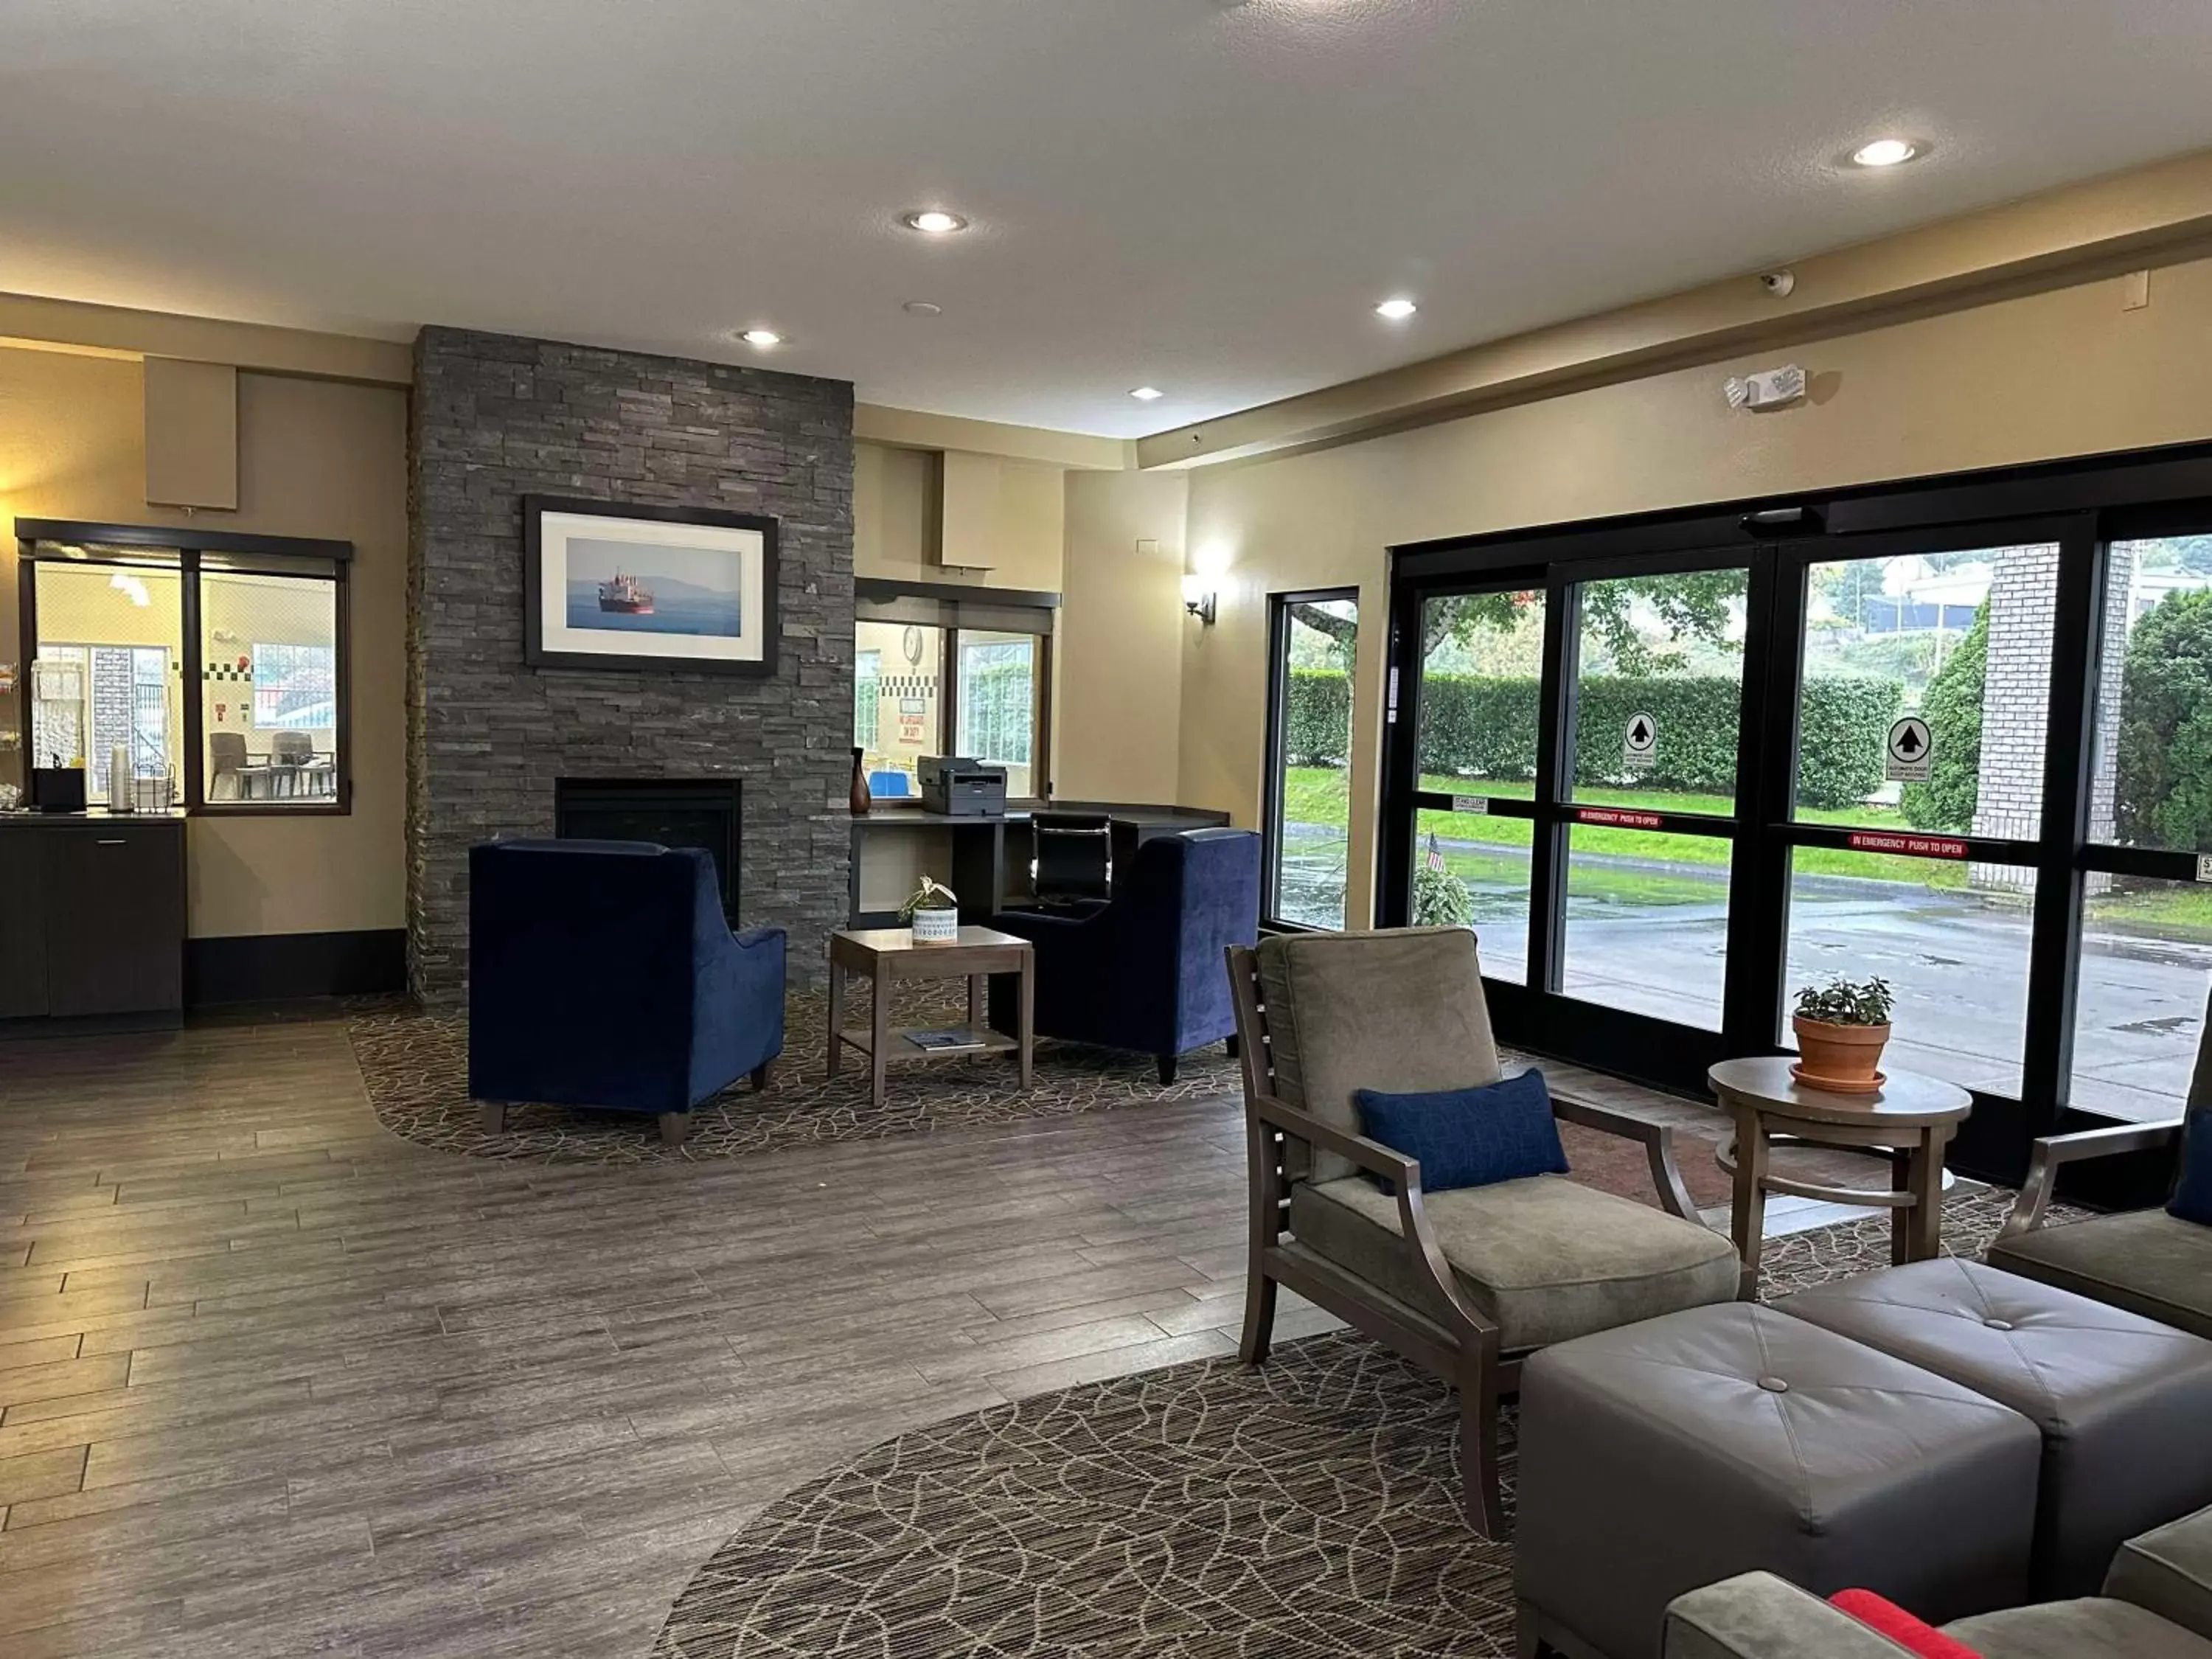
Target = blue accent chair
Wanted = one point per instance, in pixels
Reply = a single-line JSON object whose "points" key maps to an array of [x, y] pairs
{"points": [[603, 973], [1144, 970]]}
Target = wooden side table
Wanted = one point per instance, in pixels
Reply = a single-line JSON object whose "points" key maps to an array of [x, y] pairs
{"points": [[1911, 1118], [887, 955]]}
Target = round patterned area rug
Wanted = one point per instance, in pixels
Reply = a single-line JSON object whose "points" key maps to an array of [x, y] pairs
{"points": [[1307, 1509], [414, 1062]]}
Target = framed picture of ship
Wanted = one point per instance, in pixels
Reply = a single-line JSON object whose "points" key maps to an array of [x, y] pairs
{"points": [[606, 585]]}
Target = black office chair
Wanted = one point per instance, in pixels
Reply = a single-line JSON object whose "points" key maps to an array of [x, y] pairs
{"points": [[1074, 856]]}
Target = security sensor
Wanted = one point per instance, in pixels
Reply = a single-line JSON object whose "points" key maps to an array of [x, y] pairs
{"points": [[1779, 283]]}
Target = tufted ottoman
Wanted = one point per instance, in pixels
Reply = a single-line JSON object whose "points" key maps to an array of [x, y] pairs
{"points": [[2125, 1403], [1667, 1454]]}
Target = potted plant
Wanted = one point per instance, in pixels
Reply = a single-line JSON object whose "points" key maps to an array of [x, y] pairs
{"points": [[934, 914], [1841, 1028]]}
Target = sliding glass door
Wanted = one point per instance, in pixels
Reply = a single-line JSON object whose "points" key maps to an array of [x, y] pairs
{"points": [[1671, 772]]}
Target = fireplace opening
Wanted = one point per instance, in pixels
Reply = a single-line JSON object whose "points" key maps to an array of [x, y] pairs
{"points": [[703, 812]]}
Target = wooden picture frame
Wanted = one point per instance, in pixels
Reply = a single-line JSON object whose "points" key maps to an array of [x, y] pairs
{"points": [[612, 585]]}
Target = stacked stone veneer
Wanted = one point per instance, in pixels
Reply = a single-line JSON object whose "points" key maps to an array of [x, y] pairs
{"points": [[496, 418]]}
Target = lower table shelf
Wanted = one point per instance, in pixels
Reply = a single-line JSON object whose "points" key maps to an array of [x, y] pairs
{"points": [[901, 1046]]}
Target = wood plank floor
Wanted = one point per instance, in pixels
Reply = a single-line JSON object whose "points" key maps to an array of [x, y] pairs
{"points": [[272, 1381]]}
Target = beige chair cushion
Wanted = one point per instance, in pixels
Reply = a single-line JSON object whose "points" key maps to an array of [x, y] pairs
{"points": [[2093, 1629], [1543, 1258], [2146, 1261], [1400, 1011]]}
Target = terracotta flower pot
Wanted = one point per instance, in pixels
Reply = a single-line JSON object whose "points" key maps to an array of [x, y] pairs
{"points": [[1845, 1060]]}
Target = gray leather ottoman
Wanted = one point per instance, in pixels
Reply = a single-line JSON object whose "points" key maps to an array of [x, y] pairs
{"points": [[1667, 1454], [2125, 1403]]}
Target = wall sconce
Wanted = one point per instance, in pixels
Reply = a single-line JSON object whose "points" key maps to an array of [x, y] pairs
{"points": [[1198, 597]]}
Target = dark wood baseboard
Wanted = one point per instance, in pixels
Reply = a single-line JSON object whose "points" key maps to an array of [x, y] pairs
{"points": [[282, 967], [81, 1025]]}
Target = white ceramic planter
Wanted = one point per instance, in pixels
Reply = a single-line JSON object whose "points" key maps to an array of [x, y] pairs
{"points": [[936, 926]]}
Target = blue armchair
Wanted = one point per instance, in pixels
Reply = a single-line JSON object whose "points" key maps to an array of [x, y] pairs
{"points": [[1143, 971], [602, 974]]}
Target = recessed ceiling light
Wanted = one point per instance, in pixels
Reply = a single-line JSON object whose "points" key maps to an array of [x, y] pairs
{"points": [[934, 221], [761, 336], [922, 308], [1396, 310], [1146, 394], [1886, 152]]}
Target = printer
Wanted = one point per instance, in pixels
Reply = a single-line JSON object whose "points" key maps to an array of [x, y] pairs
{"points": [[960, 788]]}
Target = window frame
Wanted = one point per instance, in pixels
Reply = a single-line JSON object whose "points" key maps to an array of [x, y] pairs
{"points": [[2082, 508], [69, 541], [1272, 767]]}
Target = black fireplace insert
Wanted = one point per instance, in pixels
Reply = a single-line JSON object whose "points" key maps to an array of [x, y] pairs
{"points": [[675, 813]]}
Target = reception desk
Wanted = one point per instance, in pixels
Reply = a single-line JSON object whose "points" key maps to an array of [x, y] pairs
{"points": [[985, 860]]}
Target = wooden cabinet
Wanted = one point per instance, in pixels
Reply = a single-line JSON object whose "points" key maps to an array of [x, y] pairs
{"points": [[92, 917]]}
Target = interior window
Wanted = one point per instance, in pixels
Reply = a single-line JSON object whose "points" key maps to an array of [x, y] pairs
{"points": [[908, 659], [107, 677], [268, 693], [999, 703]]}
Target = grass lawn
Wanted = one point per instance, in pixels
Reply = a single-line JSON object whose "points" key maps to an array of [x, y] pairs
{"points": [[1320, 795]]}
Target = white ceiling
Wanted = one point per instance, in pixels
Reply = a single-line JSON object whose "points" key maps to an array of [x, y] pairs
{"points": [[1205, 197]]}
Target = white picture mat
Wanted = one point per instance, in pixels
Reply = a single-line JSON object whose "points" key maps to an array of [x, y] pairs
{"points": [[555, 529]]}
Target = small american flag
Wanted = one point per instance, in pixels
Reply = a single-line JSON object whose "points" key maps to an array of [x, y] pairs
{"points": [[1436, 854]]}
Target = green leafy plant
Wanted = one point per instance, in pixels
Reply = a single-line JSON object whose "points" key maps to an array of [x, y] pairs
{"points": [[1846, 1002], [1953, 709], [1440, 898], [2164, 749], [931, 895]]}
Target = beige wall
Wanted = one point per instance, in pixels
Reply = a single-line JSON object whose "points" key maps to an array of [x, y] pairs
{"points": [[898, 514], [315, 458], [2062, 373], [1120, 660]]}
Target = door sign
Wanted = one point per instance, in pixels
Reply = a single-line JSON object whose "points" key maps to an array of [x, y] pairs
{"points": [[1471, 803], [1910, 745], [1639, 744]]}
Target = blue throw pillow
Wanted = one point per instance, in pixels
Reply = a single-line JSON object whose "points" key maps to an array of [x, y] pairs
{"points": [[2192, 1195], [1469, 1137]]}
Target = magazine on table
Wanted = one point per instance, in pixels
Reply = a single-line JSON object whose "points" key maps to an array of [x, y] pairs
{"points": [[947, 1040]]}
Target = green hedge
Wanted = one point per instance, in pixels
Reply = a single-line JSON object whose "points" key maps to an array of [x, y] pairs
{"points": [[1485, 727], [1318, 730]]}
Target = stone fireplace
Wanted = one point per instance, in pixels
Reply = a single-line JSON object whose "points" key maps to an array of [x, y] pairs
{"points": [[490, 740]]}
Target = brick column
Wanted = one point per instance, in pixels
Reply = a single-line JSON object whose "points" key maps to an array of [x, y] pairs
{"points": [[2015, 703]]}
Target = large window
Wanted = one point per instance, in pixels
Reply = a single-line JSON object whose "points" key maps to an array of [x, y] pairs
{"points": [[1956, 735], [933, 675], [1658, 695], [2146, 952], [1477, 713], [244, 713], [1309, 810]]}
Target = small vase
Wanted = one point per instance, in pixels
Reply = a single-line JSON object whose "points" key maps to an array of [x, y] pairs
{"points": [[1844, 1059], [936, 926], [861, 799]]}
